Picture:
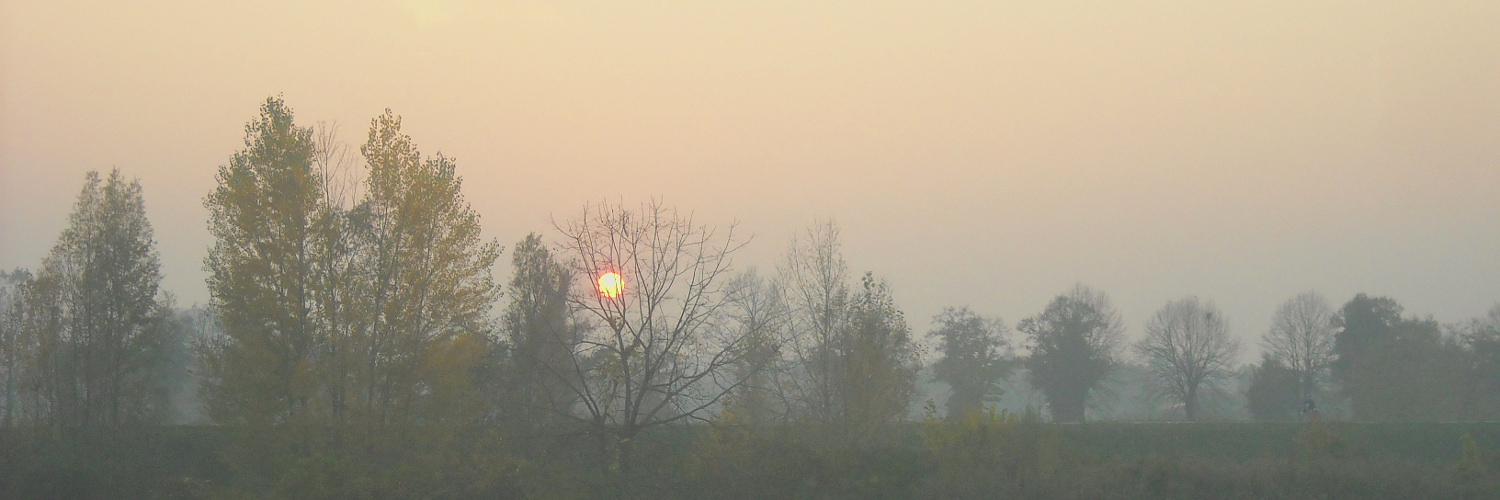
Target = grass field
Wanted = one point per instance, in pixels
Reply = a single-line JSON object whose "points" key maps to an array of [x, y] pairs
{"points": [[916, 460]]}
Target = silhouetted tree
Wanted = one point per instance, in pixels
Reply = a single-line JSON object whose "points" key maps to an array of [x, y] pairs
{"points": [[1073, 343], [757, 310], [1302, 336], [815, 279], [1393, 368], [1188, 349], [974, 359], [542, 337], [1363, 322], [1273, 391], [664, 354]]}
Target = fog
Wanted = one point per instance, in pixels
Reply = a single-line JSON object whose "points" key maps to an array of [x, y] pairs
{"points": [[973, 152]]}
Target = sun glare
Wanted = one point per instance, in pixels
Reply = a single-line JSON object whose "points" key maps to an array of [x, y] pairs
{"points": [[611, 285]]}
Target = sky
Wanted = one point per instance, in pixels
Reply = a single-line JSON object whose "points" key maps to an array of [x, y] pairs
{"points": [[984, 153]]}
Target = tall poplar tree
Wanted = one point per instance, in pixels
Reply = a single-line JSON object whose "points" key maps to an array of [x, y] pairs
{"points": [[426, 272], [262, 270], [90, 325]]}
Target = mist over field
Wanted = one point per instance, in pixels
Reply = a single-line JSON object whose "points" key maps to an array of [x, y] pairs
{"points": [[330, 249]]}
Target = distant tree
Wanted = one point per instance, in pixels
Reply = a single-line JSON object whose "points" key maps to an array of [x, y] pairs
{"points": [[663, 355], [757, 311], [877, 363], [1396, 369], [91, 324], [180, 365], [32, 321], [11, 366], [542, 334], [1074, 344], [1273, 392], [1188, 349], [974, 362], [815, 280], [1363, 323], [856, 357], [1302, 336], [1481, 339]]}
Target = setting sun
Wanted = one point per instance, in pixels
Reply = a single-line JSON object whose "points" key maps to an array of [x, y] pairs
{"points": [[611, 285]]}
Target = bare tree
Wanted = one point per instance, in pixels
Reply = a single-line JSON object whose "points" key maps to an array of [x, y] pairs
{"points": [[815, 279], [334, 164], [336, 247], [665, 353], [1301, 336], [1188, 348], [758, 310]]}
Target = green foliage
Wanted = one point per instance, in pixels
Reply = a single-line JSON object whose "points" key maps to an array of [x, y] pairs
{"points": [[1470, 467], [733, 460], [1318, 441], [984, 455], [261, 275], [136, 461]]}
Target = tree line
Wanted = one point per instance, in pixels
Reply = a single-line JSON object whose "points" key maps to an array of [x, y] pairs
{"points": [[355, 319]]}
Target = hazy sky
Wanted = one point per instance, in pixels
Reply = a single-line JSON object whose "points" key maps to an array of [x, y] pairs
{"points": [[983, 153]]}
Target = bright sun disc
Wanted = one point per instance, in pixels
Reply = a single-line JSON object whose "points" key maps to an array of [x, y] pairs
{"points": [[611, 285]]}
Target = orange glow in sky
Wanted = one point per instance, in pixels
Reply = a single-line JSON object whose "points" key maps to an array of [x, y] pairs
{"points": [[611, 285]]}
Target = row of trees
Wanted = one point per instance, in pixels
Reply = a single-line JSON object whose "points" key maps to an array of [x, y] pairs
{"points": [[1385, 366], [354, 320], [360, 318], [359, 314]]}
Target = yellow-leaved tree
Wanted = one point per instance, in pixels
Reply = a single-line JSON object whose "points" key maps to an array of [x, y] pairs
{"points": [[351, 334]]}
